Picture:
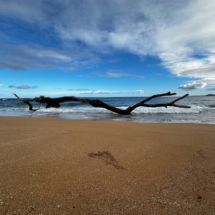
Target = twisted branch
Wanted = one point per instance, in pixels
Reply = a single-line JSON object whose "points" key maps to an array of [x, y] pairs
{"points": [[55, 102], [26, 102]]}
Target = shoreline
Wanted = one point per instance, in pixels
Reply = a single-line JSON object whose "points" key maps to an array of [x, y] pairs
{"points": [[146, 121], [57, 166]]}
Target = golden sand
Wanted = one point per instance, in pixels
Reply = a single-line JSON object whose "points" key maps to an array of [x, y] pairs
{"points": [[53, 166]]}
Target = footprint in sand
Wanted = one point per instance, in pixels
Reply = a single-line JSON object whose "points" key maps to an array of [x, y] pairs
{"points": [[107, 157]]}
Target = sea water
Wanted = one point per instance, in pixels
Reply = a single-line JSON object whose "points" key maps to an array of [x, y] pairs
{"points": [[202, 110]]}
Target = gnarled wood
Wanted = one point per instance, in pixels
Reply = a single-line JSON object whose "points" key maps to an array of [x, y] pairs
{"points": [[55, 102], [26, 102]]}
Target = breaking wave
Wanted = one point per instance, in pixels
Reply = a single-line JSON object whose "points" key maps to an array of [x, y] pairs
{"points": [[139, 110]]}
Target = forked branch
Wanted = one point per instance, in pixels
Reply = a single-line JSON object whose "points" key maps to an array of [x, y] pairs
{"points": [[55, 102], [26, 102]]}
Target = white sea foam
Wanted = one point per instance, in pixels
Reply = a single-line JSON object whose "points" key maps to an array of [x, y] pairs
{"points": [[173, 110], [139, 110]]}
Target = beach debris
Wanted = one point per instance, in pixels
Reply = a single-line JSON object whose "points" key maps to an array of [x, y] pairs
{"points": [[27, 102], [55, 103]]}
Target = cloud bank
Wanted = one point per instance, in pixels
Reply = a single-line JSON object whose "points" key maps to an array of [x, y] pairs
{"points": [[101, 92], [111, 74], [193, 86], [199, 84], [23, 57], [23, 87], [179, 33]]}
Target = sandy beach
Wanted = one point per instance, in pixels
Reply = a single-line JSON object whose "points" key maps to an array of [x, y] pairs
{"points": [[54, 166]]}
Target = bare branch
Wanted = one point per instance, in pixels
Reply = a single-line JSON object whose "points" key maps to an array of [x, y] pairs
{"points": [[55, 102], [158, 95], [180, 106], [26, 102], [142, 103]]}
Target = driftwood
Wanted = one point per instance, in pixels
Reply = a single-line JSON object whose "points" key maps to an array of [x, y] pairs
{"points": [[55, 102]]}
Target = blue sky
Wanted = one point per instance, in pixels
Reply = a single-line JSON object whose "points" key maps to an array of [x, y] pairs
{"points": [[106, 48]]}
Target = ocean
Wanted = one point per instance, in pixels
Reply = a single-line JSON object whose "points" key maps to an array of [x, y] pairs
{"points": [[202, 110]]}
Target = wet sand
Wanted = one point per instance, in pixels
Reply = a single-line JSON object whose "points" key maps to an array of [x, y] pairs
{"points": [[53, 166]]}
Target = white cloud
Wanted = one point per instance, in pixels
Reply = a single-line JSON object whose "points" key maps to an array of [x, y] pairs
{"points": [[193, 86], [209, 81], [186, 45], [23, 9], [111, 74], [180, 33], [102, 92], [199, 84], [139, 92], [23, 57], [23, 87], [175, 32], [84, 76], [26, 87], [1, 85], [114, 75], [82, 89]]}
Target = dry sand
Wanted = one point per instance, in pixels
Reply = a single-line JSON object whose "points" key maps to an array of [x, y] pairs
{"points": [[53, 166]]}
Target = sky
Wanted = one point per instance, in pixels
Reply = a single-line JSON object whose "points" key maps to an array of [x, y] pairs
{"points": [[99, 48]]}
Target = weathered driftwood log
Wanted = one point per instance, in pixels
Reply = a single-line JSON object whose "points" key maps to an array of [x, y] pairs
{"points": [[55, 102]]}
